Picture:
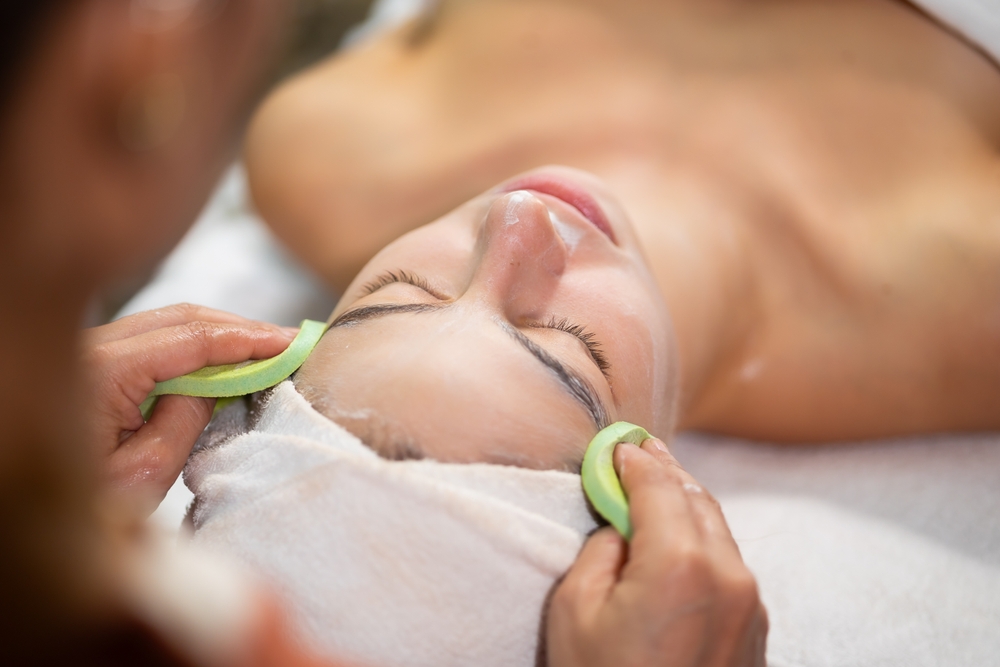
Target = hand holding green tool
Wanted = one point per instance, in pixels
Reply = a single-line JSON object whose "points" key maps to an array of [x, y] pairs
{"points": [[234, 380], [600, 481]]}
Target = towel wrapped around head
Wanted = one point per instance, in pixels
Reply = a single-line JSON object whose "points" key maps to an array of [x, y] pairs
{"points": [[388, 562]]}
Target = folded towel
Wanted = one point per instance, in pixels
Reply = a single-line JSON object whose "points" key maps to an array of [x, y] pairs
{"points": [[389, 562]]}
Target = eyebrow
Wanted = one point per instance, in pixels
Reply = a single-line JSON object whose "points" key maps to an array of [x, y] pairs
{"points": [[575, 385], [365, 313]]}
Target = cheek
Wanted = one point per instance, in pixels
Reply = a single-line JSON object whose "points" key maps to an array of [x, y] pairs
{"points": [[656, 372], [637, 338], [540, 434]]}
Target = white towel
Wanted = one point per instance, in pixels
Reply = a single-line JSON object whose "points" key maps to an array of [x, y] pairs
{"points": [[389, 562], [882, 554]]}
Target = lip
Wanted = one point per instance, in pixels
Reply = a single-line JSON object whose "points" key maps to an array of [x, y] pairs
{"points": [[570, 193]]}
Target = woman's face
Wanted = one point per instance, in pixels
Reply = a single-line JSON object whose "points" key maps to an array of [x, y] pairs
{"points": [[509, 331]]}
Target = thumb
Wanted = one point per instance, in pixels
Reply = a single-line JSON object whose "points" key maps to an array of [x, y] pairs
{"points": [[148, 463]]}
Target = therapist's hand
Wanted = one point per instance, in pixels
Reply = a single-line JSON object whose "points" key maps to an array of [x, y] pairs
{"points": [[679, 595], [122, 363]]}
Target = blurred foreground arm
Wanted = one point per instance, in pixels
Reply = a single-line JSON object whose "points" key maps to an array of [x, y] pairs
{"points": [[678, 595]]}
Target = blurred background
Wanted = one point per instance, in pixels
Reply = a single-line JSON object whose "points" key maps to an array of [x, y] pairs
{"points": [[319, 28]]}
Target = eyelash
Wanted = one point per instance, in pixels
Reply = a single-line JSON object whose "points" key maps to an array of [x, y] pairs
{"points": [[585, 337], [390, 277]]}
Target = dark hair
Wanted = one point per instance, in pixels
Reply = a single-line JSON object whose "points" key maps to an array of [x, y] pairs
{"points": [[20, 22]]}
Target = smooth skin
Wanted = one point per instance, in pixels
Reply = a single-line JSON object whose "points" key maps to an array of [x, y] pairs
{"points": [[816, 184], [449, 375], [82, 206]]}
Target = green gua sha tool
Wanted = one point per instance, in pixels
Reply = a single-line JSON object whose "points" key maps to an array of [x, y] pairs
{"points": [[233, 380], [600, 482]]}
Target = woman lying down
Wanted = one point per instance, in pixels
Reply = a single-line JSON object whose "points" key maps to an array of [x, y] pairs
{"points": [[508, 332], [813, 257]]}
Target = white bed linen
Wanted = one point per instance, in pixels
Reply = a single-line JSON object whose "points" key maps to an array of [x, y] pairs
{"points": [[978, 21]]}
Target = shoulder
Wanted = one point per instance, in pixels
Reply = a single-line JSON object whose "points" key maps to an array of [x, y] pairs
{"points": [[326, 148]]}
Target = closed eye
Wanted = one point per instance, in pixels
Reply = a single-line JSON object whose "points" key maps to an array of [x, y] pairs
{"points": [[390, 277], [585, 337]]}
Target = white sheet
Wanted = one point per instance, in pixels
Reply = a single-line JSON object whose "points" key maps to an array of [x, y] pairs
{"points": [[885, 553], [976, 20]]}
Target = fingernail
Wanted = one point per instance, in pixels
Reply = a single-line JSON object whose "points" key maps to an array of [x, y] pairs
{"points": [[291, 332], [658, 444], [618, 458]]}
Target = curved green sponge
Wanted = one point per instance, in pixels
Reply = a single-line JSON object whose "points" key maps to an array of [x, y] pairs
{"points": [[241, 379], [600, 482]]}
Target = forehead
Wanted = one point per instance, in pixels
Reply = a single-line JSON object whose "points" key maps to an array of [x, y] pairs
{"points": [[458, 388]]}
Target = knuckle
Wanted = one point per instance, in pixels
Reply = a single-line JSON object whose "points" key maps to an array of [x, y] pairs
{"points": [[742, 593], [674, 464], [201, 331], [710, 500], [647, 475], [763, 620], [184, 310], [563, 601], [99, 356], [691, 564], [693, 558]]}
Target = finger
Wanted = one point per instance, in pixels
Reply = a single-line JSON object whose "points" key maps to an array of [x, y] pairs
{"points": [[141, 361], [662, 521], [709, 518], [738, 609], [148, 463], [590, 581], [150, 320]]}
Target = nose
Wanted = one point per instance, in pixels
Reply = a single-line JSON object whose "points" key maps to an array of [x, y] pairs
{"points": [[522, 257]]}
